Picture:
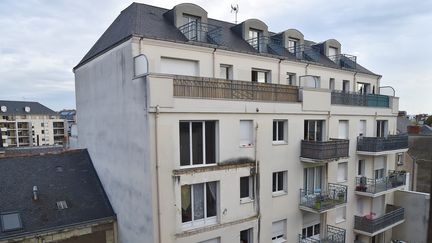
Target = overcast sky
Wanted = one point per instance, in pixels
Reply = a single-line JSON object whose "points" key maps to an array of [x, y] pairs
{"points": [[42, 40]]}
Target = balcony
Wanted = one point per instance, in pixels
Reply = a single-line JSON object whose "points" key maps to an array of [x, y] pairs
{"points": [[370, 226], [211, 88], [382, 145], [201, 32], [377, 187], [304, 52], [333, 235], [324, 151], [358, 99], [344, 60], [323, 201]]}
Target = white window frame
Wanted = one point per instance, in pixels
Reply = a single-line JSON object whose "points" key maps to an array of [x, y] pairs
{"points": [[291, 79], [345, 172], [284, 183], [316, 129], [381, 128], [318, 181], [285, 131], [346, 86], [400, 158], [228, 74], [314, 234], [332, 84], [340, 215], [244, 143], [250, 235], [281, 238], [206, 220], [267, 75], [251, 187]]}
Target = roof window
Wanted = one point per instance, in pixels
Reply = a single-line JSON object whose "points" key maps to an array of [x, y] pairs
{"points": [[10, 222]]}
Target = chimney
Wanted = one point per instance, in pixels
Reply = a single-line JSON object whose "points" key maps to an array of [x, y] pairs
{"points": [[35, 193]]}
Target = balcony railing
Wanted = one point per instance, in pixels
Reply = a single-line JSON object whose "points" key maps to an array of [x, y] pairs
{"points": [[380, 144], [320, 201], [344, 60], [305, 52], [266, 43], [393, 180], [202, 32], [372, 225], [211, 88], [358, 99], [333, 235], [325, 150]]}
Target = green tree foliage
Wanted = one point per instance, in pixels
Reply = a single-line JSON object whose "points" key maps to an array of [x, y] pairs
{"points": [[429, 121]]}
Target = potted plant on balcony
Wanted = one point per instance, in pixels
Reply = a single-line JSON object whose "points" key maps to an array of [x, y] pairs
{"points": [[341, 196], [361, 187], [317, 204]]}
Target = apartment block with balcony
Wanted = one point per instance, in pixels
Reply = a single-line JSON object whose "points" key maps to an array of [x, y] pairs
{"points": [[24, 124], [232, 133]]}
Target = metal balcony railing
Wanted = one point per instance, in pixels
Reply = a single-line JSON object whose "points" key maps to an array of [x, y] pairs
{"points": [[371, 225], [202, 32], [305, 52], [379, 144], [319, 201], [344, 60], [325, 150], [393, 180], [358, 99], [211, 88], [333, 235], [266, 43]]}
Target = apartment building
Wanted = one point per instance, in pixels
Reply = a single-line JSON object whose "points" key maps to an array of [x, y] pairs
{"points": [[24, 123], [232, 133]]}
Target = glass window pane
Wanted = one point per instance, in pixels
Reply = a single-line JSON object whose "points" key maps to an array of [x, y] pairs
{"points": [[11, 221], [184, 144], [280, 130], [197, 143], [186, 203], [312, 131], [211, 199], [210, 132], [198, 203], [244, 187], [274, 130], [309, 231], [317, 229], [319, 133], [280, 181], [274, 181]]}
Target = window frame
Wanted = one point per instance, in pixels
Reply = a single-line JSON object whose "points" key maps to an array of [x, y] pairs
{"points": [[317, 181], [242, 143], [316, 124], [249, 233], [401, 160], [284, 189], [2, 224], [251, 189], [284, 132], [340, 215], [315, 232], [267, 75], [291, 79], [228, 74]]}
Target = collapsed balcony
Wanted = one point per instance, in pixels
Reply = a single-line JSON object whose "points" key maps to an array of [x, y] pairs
{"points": [[322, 201]]}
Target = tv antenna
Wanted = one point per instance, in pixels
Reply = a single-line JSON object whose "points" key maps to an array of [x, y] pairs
{"points": [[235, 9]]}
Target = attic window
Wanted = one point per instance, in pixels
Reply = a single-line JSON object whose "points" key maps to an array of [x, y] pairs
{"points": [[10, 222], [62, 205]]}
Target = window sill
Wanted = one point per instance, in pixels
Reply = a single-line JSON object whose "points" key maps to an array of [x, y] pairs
{"points": [[196, 166], [279, 193], [280, 143], [199, 224], [246, 200]]}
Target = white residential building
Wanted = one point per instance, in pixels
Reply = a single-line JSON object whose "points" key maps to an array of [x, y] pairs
{"points": [[207, 131], [24, 123]]}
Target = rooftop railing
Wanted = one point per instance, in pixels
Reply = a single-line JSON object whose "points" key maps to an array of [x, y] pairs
{"points": [[325, 150], [333, 235], [211, 88], [358, 99], [393, 180], [344, 60], [305, 52], [202, 32], [319, 201], [370, 225], [379, 144], [266, 43]]}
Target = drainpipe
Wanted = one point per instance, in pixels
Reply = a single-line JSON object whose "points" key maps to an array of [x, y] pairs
{"points": [[214, 62], [279, 71], [256, 182], [157, 172], [306, 69]]}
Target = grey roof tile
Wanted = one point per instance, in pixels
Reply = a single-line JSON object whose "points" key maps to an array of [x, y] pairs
{"points": [[17, 108]]}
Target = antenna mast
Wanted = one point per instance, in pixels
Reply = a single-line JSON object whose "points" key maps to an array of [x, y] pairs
{"points": [[235, 9]]}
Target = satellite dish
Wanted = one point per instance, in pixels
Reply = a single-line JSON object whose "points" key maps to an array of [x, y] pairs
{"points": [[27, 109], [3, 108]]}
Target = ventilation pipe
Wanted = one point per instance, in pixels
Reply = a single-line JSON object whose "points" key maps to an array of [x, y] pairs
{"points": [[35, 193]]}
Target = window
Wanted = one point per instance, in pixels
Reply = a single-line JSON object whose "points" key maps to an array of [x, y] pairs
{"points": [[333, 51], [342, 172], [197, 142], [246, 236], [313, 179], [260, 76], [381, 128], [62, 205], [311, 231], [340, 214], [292, 46], [42, 131], [399, 159], [363, 88], [291, 79], [226, 72], [192, 31], [247, 188], [280, 128], [280, 182], [332, 84], [279, 231], [199, 204], [379, 173], [215, 240], [179, 66], [254, 38], [246, 133], [346, 86], [343, 129], [361, 168], [362, 128], [313, 130], [42, 124], [10, 222]]}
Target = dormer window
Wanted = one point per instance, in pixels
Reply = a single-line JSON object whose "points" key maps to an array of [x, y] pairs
{"points": [[254, 38], [191, 30], [333, 51], [292, 45]]}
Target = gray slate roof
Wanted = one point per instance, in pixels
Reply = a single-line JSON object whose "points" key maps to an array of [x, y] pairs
{"points": [[149, 21], [77, 184], [17, 108]]}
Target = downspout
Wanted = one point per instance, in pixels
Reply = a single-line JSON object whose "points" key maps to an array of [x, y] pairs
{"points": [[306, 69], [157, 172], [257, 189], [279, 71], [214, 62]]}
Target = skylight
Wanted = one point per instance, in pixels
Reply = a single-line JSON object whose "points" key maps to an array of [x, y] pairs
{"points": [[62, 205], [10, 222]]}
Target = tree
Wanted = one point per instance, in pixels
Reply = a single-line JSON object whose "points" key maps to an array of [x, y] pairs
{"points": [[429, 121]]}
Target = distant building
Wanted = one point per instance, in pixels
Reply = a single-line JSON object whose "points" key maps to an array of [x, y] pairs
{"points": [[403, 122], [54, 198], [70, 117], [24, 123]]}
